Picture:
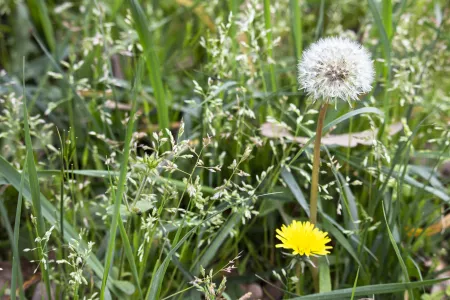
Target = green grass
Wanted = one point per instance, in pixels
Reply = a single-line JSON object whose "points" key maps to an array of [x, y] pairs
{"points": [[120, 189], [105, 135]]}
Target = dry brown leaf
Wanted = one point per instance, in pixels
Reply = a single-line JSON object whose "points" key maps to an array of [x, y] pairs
{"points": [[345, 140], [200, 12], [433, 229], [92, 93], [121, 106]]}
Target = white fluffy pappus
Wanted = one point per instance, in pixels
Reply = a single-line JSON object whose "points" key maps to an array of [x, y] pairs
{"points": [[336, 67]]}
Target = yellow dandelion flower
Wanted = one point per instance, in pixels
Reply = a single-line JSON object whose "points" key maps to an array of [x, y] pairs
{"points": [[303, 238]]}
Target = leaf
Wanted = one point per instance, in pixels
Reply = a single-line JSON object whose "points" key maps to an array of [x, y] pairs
{"points": [[35, 196], [121, 183], [153, 66], [218, 240], [411, 181], [17, 277], [129, 255], [41, 15], [369, 290], [341, 240], [125, 286], [397, 251], [143, 205], [382, 32], [124, 212], [295, 189], [345, 140], [324, 275], [354, 284]]}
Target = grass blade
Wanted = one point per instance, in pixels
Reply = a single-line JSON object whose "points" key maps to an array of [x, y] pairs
{"points": [[369, 290], [268, 26], [341, 240], [129, 254], [387, 17], [16, 271], [39, 12], [35, 196], [324, 275], [397, 251], [120, 185], [295, 189], [319, 27], [4, 216], [209, 254], [296, 23], [386, 55], [153, 66], [355, 284], [381, 31]]}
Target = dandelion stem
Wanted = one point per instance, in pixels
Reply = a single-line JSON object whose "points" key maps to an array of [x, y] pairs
{"points": [[298, 285], [316, 164], [315, 183]]}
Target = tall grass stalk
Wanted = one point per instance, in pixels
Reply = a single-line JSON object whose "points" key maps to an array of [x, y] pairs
{"points": [[16, 278], [153, 66], [35, 193], [121, 184], [268, 27], [387, 17], [386, 50], [296, 24], [40, 13]]}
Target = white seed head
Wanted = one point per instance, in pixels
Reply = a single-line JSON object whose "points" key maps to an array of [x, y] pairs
{"points": [[336, 67]]}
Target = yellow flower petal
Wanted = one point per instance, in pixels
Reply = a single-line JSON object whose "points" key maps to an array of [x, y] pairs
{"points": [[303, 238]]}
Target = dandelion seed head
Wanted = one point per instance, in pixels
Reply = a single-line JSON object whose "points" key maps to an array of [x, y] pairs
{"points": [[336, 68]]}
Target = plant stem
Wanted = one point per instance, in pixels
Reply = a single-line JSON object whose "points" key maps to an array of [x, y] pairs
{"points": [[268, 27], [347, 168], [298, 285], [315, 184], [316, 164], [296, 24]]}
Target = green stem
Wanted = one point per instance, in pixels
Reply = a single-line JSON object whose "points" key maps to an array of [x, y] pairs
{"points": [[315, 185], [268, 27], [296, 22], [316, 164], [122, 255], [298, 273], [347, 169]]}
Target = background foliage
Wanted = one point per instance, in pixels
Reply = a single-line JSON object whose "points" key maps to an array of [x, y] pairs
{"points": [[181, 124]]}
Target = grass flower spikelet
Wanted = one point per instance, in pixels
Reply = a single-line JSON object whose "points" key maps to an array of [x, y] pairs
{"points": [[303, 238]]}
